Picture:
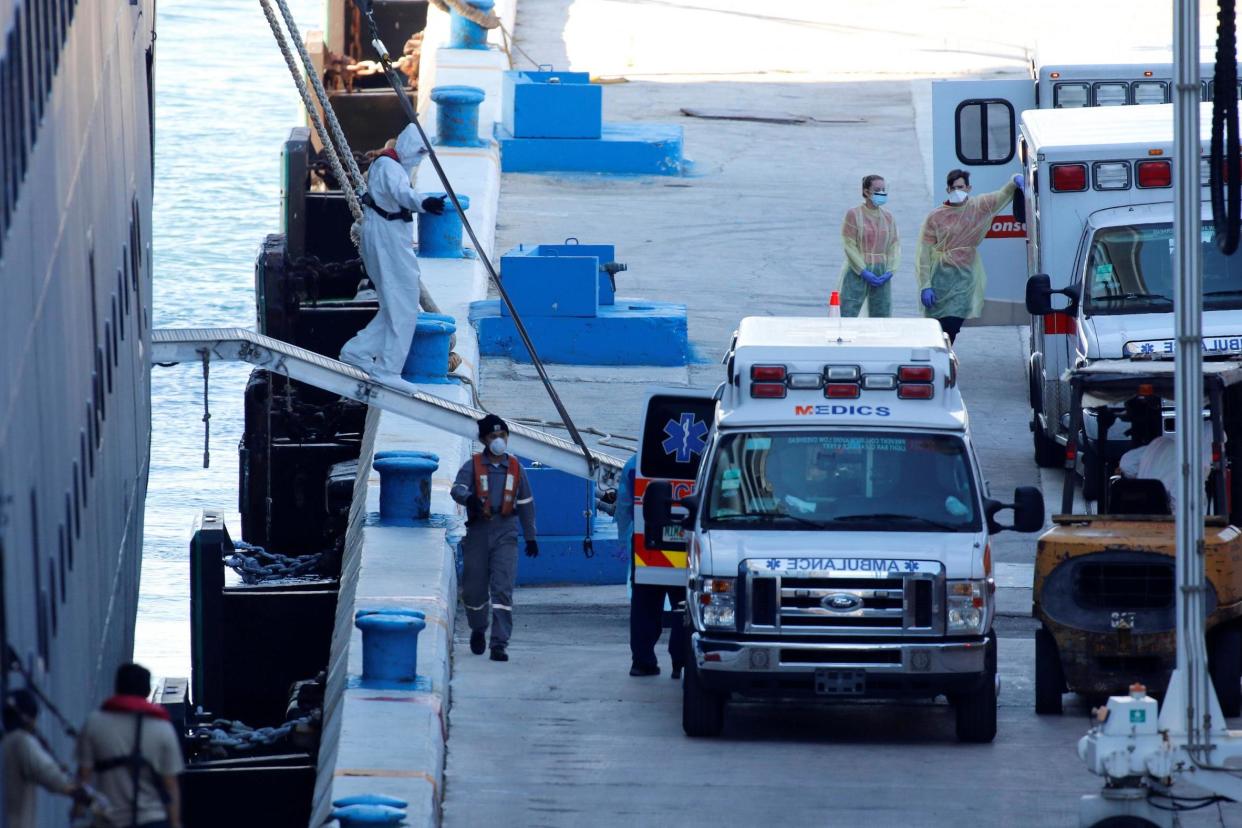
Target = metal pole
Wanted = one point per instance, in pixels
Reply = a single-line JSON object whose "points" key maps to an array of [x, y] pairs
{"points": [[1188, 322]]}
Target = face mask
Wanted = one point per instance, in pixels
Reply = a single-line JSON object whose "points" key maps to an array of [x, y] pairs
{"points": [[879, 198], [497, 445], [957, 196]]}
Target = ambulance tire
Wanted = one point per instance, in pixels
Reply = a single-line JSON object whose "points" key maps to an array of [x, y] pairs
{"points": [[976, 710], [1049, 675], [702, 712], [1049, 454], [1225, 666]]}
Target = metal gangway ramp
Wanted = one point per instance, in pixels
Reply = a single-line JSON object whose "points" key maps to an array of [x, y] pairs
{"points": [[201, 345]]}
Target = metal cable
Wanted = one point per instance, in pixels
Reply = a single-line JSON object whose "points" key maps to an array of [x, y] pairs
{"points": [[1225, 176]]}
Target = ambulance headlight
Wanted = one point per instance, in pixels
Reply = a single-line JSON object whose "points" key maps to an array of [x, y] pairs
{"points": [[968, 606], [717, 603]]}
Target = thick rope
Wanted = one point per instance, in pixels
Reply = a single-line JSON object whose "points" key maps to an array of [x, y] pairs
{"points": [[355, 206], [472, 13]]}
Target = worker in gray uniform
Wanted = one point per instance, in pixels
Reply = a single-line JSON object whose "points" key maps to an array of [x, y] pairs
{"points": [[496, 493]]}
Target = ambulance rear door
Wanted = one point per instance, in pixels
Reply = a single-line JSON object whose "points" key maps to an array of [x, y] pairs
{"points": [[676, 423], [975, 128]]}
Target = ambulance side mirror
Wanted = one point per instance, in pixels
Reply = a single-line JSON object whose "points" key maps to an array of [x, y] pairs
{"points": [[1028, 511], [657, 512], [1039, 295], [691, 505]]}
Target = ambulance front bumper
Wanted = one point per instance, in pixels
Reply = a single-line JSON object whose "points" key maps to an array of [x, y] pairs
{"points": [[784, 667]]}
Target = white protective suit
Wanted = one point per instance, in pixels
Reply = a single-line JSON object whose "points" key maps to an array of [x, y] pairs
{"points": [[1158, 461], [387, 249]]}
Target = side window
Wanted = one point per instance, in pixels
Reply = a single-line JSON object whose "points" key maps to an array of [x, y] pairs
{"points": [[985, 132]]}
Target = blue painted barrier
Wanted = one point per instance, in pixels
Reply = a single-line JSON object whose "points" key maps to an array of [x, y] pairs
{"points": [[370, 799], [457, 115], [389, 645], [557, 279], [439, 237], [405, 487], [562, 561], [551, 105], [621, 149], [562, 500], [465, 34], [368, 816], [427, 361]]}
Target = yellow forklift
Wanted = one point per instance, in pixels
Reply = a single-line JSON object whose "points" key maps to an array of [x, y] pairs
{"points": [[1104, 581]]}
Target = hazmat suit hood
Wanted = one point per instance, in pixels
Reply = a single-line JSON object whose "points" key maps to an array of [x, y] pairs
{"points": [[410, 148]]}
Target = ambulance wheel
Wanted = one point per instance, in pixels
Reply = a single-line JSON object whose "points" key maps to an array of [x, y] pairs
{"points": [[702, 712], [1049, 454], [1049, 675], [1225, 665], [976, 710]]}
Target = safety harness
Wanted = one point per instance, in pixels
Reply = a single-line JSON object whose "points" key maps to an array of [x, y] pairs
{"points": [[481, 486], [134, 760], [402, 214]]}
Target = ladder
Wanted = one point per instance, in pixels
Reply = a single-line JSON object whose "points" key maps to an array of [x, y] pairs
{"points": [[170, 346]]}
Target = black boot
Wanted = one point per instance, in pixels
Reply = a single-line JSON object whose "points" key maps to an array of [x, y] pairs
{"points": [[637, 669], [676, 674], [478, 642], [499, 654]]}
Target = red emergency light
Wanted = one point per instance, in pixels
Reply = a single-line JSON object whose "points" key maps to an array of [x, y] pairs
{"points": [[767, 373], [1154, 174], [916, 391], [841, 390], [768, 390], [916, 373], [1069, 178]]}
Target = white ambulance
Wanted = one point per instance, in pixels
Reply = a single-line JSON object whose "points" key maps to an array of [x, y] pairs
{"points": [[975, 128], [1100, 248], [838, 532]]}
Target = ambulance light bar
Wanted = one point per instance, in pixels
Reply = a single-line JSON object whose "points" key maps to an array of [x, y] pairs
{"points": [[842, 382], [1116, 175]]}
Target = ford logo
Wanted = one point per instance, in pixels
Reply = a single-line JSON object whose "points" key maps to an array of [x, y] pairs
{"points": [[840, 602]]}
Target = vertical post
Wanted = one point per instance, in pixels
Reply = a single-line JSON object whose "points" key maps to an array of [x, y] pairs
{"points": [[1191, 674]]}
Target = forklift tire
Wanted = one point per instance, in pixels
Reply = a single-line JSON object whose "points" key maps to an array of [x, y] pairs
{"points": [[1225, 666], [1049, 454], [702, 712], [1049, 675], [976, 711]]}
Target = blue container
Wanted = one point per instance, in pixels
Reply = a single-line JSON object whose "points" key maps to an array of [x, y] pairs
{"points": [[457, 115], [370, 799], [405, 487], [465, 34], [439, 237], [551, 105], [427, 361], [389, 646], [368, 816]]}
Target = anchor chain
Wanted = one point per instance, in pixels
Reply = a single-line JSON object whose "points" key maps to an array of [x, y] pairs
{"points": [[255, 564]]}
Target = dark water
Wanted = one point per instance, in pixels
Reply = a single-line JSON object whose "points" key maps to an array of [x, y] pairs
{"points": [[224, 104]]}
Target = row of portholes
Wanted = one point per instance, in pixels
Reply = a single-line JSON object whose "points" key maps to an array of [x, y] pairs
{"points": [[90, 439]]}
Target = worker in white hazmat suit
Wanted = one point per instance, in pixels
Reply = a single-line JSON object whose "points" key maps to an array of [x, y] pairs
{"points": [[387, 249]]}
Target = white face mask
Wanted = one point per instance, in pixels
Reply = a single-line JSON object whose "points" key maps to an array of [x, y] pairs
{"points": [[497, 445], [958, 196]]}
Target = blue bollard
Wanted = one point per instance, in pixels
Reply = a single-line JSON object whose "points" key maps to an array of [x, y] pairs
{"points": [[370, 799], [457, 115], [380, 455], [394, 611], [405, 487], [389, 646], [439, 237], [367, 816], [466, 34], [427, 360]]}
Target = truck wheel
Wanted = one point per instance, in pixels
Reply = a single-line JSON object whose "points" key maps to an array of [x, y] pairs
{"points": [[976, 710], [702, 712], [1049, 675], [1049, 454], [1225, 665]]}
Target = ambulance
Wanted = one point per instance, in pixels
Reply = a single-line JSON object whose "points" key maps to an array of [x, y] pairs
{"points": [[1100, 251], [975, 127], [837, 535]]}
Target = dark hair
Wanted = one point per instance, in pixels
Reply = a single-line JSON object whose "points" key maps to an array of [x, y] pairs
{"points": [[954, 175], [868, 180], [133, 680], [21, 706]]}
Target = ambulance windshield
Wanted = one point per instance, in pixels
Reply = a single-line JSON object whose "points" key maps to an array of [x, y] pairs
{"points": [[1130, 270], [842, 480]]}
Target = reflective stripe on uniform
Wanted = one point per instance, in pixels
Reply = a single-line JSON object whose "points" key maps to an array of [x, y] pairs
{"points": [[524, 501], [502, 607], [479, 607]]}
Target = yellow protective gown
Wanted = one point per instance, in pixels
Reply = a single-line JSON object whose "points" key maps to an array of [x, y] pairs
{"points": [[869, 237], [948, 256]]}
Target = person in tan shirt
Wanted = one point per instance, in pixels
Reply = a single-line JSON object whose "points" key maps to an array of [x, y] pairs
{"points": [[27, 764]]}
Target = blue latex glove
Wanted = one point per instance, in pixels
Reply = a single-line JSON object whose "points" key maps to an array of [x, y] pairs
{"points": [[886, 276], [871, 279], [1020, 182], [928, 297]]}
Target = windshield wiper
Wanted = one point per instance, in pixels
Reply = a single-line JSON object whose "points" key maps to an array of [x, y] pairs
{"points": [[769, 517], [1126, 297], [895, 516]]}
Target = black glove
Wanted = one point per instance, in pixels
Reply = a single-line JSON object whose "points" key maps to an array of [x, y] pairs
{"points": [[474, 509], [433, 205], [532, 549]]}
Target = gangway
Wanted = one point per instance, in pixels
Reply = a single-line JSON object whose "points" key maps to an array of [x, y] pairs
{"points": [[201, 345]]}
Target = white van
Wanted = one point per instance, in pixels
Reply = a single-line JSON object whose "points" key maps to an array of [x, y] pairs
{"points": [[838, 533], [1101, 237]]}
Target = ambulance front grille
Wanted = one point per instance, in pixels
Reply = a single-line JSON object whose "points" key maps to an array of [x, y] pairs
{"points": [[898, 606]]}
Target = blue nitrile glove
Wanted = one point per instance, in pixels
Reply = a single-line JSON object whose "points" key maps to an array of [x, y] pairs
{"points": [[433, 205], [1020, 182], [928, 297], [871, 279], [888, 274]]}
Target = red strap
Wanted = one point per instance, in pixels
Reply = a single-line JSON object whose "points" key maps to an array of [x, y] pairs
{"points": [[135, 704], [389, 153]]}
